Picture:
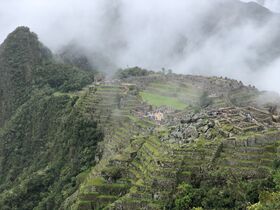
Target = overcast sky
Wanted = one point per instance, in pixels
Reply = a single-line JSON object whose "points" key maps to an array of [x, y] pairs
{"points": [[148, 33], [273, 5]]}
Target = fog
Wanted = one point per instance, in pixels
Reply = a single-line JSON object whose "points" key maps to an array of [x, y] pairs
{"points": [[273, 5], [217, 37]]}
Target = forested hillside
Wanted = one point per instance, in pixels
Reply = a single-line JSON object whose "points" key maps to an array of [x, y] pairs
{"points": [[46, 140]]}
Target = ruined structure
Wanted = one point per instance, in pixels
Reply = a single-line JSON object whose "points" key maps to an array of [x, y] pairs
{"points": [[155, 148]]}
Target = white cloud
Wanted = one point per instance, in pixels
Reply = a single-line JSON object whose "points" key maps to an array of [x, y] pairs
{"points": [[191, 36], [273, 5]]}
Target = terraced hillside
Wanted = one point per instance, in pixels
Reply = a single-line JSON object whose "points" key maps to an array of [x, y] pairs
{"points": [[144, 140], [144, 159]]}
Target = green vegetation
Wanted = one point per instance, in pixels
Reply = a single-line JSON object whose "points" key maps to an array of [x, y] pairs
{"points": [[46, 141], [220, 192], [204, 100], [132, 72], [61, 77], [185, 93], [267, 199], [184, 196], [44, 148], [158, 100], [25, 64]]}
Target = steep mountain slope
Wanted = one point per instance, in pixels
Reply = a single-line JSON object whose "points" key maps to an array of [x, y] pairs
{"points": [[23, 64], [18, 55], [46, 139]]}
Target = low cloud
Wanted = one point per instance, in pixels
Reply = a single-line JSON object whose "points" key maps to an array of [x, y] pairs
{"points": [[219, 37], [273, 5]]}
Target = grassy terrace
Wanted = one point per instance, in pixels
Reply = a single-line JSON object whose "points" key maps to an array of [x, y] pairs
{"points": [[172, 94], [158, 100]]}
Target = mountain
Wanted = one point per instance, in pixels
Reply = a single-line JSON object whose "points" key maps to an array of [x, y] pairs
{"points": [[23, 64], [273, 5], [77, 56], [44, 138], [221, 25], [18, 55], [141, 140]]}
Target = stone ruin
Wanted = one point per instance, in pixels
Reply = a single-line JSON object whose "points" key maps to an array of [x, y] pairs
{"points": [[220, 123], [157, 114]]}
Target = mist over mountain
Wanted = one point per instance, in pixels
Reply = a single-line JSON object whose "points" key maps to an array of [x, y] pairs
{"points": [[273, 5], [220, 37], [120, 104]]}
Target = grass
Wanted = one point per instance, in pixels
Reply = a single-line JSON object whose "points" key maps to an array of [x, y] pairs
{"points": [[96, 182], [70, 94], [152, 149], [141, 122], [158, 100]]}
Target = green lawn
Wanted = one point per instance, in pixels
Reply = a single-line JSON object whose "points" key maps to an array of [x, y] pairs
{"points": [[158, 100], [182, 93]]}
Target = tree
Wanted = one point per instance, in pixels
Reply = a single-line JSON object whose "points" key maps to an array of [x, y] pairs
{"points": [[204, 100], [184, 196]]}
